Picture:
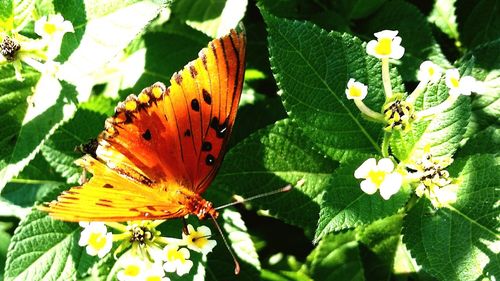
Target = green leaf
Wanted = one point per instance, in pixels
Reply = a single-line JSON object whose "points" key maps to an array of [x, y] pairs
{"points": [[484, 142], [481, 25], [19, 138], [6, 15], [270, 159], [443, 16], [44, 249], [415, 32], [258, 112], [168, 49], [345, 205], [48, 109], [357, 9], [23, 10], [59, 150], [4, 244], [486, 105], [443, 132], [312, 68], [380, 241], [335, 258], [31, 185], [214, 18], [457, 243], [100, 35]]}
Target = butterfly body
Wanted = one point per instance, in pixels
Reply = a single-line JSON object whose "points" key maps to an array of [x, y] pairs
{"points": [[162, 148]]}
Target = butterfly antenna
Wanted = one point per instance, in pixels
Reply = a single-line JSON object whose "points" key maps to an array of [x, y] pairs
{"points": [[283, 189], [236, 263]]}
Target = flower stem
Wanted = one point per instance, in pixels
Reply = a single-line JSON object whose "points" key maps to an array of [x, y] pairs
{"points": [[416, 93], [386, 78], [118, 226], [385, 144], [429, 112], [121, 236], [168, 240], [368, 112]]}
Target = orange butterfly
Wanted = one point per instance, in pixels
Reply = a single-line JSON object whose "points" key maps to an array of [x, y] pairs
{"points": [[162, 148]]}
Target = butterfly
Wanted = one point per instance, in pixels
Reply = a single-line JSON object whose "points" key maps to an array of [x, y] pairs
{"points": [[162, 148]]}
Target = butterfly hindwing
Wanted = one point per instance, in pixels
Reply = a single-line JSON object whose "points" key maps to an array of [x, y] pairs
{"points": [[108, 196]]}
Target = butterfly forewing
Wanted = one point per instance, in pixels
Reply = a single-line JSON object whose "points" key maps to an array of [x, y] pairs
{"points": [[165, 144]]}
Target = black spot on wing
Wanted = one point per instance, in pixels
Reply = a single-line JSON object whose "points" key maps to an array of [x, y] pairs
{"points": [[147, 135], [206, 146], [207, 97], [195, 105], [210, 160]]}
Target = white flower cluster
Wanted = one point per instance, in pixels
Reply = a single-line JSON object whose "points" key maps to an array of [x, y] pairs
{"points": [[398, 114], [154, 257], [37, 53]]}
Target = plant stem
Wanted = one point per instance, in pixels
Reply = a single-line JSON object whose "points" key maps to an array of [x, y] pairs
{"points": [[385, 144], [386, 78], [368, 112]]}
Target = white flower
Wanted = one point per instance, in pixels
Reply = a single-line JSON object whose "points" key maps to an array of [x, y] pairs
{"points": [[356, 90], [445, 195], [154, 272], [387, 45], [134, 268], [429, 72], [96, 238], [176, 260], [379, 176], [198, 240], [459, 85], [52, 29], [54, 26]]}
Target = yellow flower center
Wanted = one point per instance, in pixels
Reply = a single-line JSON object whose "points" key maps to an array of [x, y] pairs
{"points": [[355, 91], [50, 28], [384, 46], [198, 240], [153, 278], [174, 254], [132, 270], [97, 241], [455, 82], [377, 177], [431, 71]]}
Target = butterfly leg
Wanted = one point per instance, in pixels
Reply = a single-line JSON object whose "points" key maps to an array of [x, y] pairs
{"points": [[184, 226]]}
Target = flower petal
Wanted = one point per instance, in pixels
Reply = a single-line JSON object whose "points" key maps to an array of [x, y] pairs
{"points": [[386, 165], [363, 170], [391, 185], [370, 48], [386, 34], [368, 187]]}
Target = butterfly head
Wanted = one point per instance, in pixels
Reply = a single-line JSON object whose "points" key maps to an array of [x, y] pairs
{"points": [[204, 209]]}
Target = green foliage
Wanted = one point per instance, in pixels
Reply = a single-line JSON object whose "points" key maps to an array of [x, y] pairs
{"points": [[313, 92], [295, 127], [457, 243]]}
